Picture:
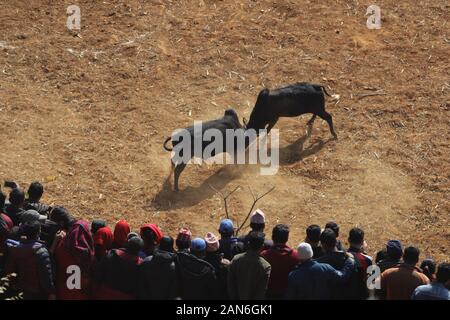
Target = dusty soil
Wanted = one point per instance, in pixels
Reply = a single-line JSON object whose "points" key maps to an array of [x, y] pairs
{"points": [[87, 114]]}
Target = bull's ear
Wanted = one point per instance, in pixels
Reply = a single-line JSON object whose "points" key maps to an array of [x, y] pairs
{"points": [[245, 122]]}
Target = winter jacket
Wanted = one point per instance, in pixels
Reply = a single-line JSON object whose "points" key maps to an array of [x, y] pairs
{"points": [[337, 260], [312, 280], [400, 282], [230, 247], [248, 276], [14, 213], [221, 266], [196, 277], [283, 260], [116, 276], [30, 260], [358, 289], [157, 277]]}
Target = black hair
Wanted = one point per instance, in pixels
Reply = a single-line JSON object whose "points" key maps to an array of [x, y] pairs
{"points": [[356, 236], [31, 229], [256, 240], [182, 244], [16, 197], [333, 226], [166, 244], [411, 255], [97, 224], [328, 238], [61, 216], [428, 267], [148, 235], [381, 255], [443, 272], [313, 233], [134, 245], [280, 233], [257, 226], [35, 190]]}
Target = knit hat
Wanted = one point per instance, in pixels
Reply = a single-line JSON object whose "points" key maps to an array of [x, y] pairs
{"points": [[226, 226], [258, 217], [184, 235], [154, 228], [394, 249], [304, 251], [212, 243], [198, 244], [31, 215]]}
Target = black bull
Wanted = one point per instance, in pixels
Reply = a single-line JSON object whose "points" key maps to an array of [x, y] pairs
{"points": [[228, 121], [290, 101]]}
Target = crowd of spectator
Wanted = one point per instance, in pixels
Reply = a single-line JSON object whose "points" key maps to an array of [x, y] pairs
{"points": [[56, 256]]}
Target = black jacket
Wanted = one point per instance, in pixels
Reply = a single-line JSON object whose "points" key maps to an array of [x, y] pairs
{"points": [[196, 278], [157, 277], [221, 269], [30, 260], [337, 260]]}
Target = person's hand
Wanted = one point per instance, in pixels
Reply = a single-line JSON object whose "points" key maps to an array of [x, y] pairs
{"points": [[349, 256], [60, 235], [365, 246]]}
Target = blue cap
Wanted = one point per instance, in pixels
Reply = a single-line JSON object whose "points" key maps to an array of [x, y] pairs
{"points": [[226, 225], [394, 249], [198, 244]]}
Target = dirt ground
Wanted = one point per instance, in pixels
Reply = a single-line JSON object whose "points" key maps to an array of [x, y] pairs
{"points": [[87, 114]]}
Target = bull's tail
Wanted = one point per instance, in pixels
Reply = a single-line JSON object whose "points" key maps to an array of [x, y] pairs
{"points": [[263, 98], [165, 142], [321, 87]]}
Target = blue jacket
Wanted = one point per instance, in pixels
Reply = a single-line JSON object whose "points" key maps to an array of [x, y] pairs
{"points": [[312, 280], [433, 291]]}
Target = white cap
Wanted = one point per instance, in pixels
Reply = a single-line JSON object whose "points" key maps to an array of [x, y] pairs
{"points": [[258, 217], [304, 251]]}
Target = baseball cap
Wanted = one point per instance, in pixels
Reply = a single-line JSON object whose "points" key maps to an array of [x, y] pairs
{"points": [[198, 244]]}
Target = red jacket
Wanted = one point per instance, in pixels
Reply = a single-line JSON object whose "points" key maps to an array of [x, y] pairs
{"points": [[283, 260]]}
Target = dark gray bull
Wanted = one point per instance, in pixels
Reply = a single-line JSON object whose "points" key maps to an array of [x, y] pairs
{"points": [[290, 101], [230, 120]]}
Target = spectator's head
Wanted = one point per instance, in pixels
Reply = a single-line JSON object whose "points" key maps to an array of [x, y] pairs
{"points": [[328, 240], [96, 225], [31, 230], [356, 237], [257, 220], [32, 215], [166, 244], [313, 235], [394, 249], [333, 226], [134, 245], [151, 235], [17, 197], [226, 228], [443, 274], [411, 255], [304, 252], [280, 234], [62, 217], [198, 247], [132, 235], [256, 240], [121, 231], [428, 267], [381, 255], [35, 191], [212, 242], [183, 240]]}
